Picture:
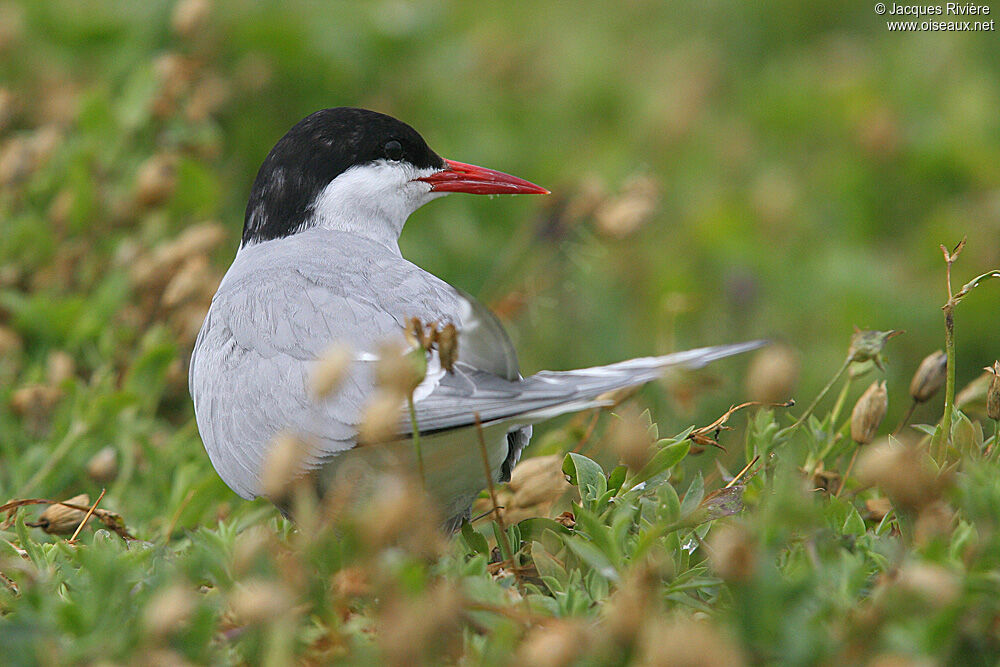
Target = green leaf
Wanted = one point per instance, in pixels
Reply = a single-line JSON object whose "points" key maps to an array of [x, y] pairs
{"points": [[499, 535], [474, 540], [593, 557], [966, 436], [663, 460], [547, 566], [885, 524], [617, 478], [670, 504], [532, 529], [854, 524], [694, 495], [587, 475], [35, 554], [600, 534]]}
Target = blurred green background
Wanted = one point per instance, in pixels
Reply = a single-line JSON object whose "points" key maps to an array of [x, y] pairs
{"points": [[720, 171]]}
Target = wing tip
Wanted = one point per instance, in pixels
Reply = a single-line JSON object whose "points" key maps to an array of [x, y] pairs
{"points": [[709, 354]]}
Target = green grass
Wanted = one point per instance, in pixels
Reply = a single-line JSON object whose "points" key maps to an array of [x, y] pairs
{"points": [[798, 167]]}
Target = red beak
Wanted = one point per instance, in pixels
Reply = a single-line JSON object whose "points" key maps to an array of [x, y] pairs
{"points": [[461, 177]]}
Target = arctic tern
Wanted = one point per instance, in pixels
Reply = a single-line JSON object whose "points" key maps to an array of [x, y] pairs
{"points": [[318, 264]]}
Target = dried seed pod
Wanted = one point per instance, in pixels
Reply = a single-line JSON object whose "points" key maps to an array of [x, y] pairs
{"points": [[380, 418], [557, 644], [156, 179], [868, 345], [447, 342], [630, 438], [415, 334], [993, 393], [35, 400], [772, 374], [868, 413], [168, 610], [900, 471], [420, 335], [17, 160], [197, 239], [208, 96], [258, 601], [252, 544], [734, 552], [189, 17], [174, 73], [538, 480], [932, 584], [330, 370], [971, 399], [59, 367], [878, 508], [103, 466], [352, 582], [194, 280], [399, 371], [59, 519], [410, 631], [686, 642], [8, 108], [10, 342], [186, 322], [930, 376], [283, 465], [401, 513], [621, 216]]}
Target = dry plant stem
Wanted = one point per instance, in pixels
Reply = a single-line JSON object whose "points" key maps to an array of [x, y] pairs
{"points": [[105, 517], [177, 516], [949, 387], [90, 513], [585, 438], [906, 418], [949, 348], [839, 405], [508, 552], [819, 397], [10, 584], [527, 619], [740, 474], [949, 337], [835, 437], [850, 467], [416, 441]]}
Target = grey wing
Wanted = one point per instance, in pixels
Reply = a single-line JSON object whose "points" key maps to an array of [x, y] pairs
{"points": [[250, 378], [268, 325], [467, 393], [483, 343], [250, 373]]}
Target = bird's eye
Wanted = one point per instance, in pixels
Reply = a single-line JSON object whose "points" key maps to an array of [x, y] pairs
{"points": [[393, 150]]}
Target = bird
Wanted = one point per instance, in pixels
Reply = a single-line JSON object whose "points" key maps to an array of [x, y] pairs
{"points": [[319, 264]]}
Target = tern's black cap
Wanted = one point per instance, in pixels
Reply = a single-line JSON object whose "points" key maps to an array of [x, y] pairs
{"points": [[319, 148]]}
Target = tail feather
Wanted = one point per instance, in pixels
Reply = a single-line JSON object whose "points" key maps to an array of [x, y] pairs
{"points": [[464, 396], [585, 386]]}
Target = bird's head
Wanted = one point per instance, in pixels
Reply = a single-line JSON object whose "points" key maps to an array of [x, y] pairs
{"points": [[359, 171]]}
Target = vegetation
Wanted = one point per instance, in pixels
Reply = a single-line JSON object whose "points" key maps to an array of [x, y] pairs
{"points": [[719, 173]]}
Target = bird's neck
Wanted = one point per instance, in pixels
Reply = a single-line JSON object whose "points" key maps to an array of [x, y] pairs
{"points": [[375, 219]]}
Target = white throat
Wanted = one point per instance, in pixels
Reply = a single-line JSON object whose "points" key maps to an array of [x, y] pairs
{"points": [[373, 200]]}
